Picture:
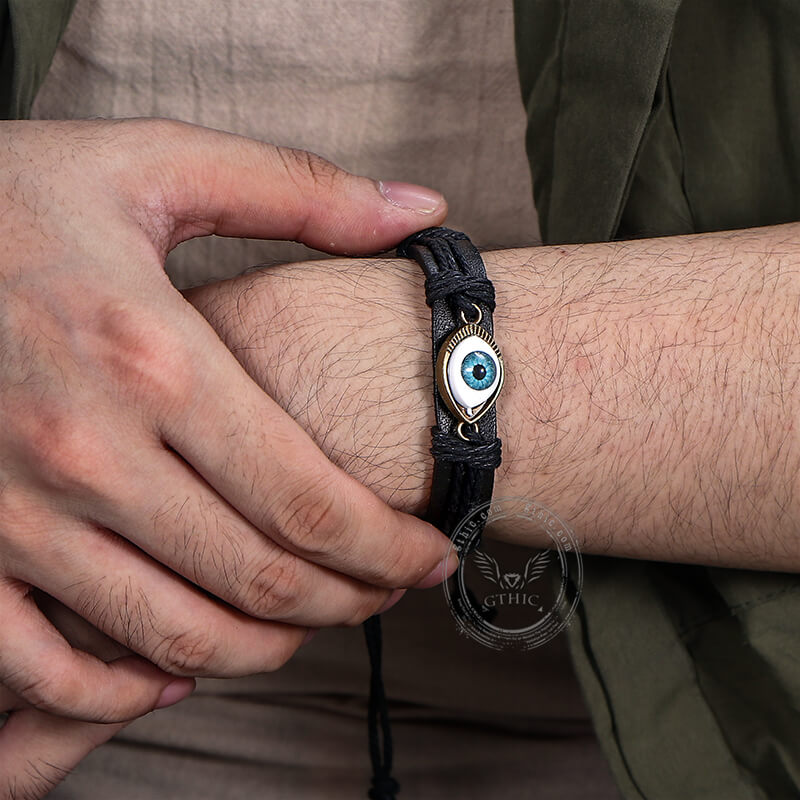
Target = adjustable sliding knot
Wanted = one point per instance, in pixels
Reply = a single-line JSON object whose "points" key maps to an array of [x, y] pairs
{"points": [[460, 291], [476, 452], [430, 234], [456, 280], [384, 787]]}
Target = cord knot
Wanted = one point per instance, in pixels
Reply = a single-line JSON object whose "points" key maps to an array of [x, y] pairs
{"points": [[457, 281], [478, 453], [384, 787], [429, 234], [461, 291]]}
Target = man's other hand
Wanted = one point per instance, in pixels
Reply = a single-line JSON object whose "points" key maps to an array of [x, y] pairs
{"points": [[146, 482]]}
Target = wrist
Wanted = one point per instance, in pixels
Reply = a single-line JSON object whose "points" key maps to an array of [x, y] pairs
{"points": [[344, 346], [649, 384]]}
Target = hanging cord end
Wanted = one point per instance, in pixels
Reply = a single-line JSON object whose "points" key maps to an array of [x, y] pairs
{"points": [[384, 787]]}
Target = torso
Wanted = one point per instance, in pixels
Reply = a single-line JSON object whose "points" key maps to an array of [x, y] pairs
{"points": [[403, 90]]}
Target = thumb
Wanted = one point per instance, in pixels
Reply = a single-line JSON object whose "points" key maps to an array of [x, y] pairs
{"points": [[201, 181]]}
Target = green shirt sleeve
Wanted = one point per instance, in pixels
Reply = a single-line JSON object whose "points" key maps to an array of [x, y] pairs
{"points": [[591, 75], [656, 117], [651, 118], [29, 34]]}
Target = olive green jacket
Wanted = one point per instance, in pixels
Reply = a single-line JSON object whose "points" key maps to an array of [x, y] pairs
{"points": [[646, 118], [29, 33], [649, 118]]}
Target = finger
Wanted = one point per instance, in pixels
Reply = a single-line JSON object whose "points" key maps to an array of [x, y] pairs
{"points": [[38, 750], [189, 528], [77, 631], [39, 666], [146, 607], [207, 181], [253, 454]]}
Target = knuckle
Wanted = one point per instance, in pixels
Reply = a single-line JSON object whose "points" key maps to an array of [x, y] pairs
{"points": [[188, 653], [273, 592], [140, 146], [309, 167], [64, 452], [142, 354], [280, 654], [367, 607], [50, 693], [398, 565], [21, 522], [313, 518]]}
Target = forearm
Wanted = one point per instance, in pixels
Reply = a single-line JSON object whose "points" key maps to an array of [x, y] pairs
{"points": [[653, 391], [651, 385]]}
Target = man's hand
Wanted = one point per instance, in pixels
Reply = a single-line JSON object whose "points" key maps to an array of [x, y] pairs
{"points": [[649, 400], [146, 481]]}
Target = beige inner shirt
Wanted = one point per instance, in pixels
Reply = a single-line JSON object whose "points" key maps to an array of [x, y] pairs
{"points": [[416, 90]]}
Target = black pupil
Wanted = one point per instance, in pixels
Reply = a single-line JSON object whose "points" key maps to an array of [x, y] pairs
{"points": [[479, 372]]}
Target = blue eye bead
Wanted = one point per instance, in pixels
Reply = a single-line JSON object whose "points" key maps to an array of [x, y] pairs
{"points": [[469, 372], [478, 370]]}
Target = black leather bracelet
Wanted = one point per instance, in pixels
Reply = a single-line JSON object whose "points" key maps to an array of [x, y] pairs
{"points": [[468, 373], [468, 370]]}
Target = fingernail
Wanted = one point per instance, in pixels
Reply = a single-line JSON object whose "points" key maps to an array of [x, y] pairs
{"points": [[391, 600], [175, 692], [442, 571], [312, 632], [410, 196]]}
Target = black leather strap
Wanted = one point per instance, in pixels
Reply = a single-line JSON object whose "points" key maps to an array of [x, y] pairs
{"points": [[456, 282], [463, 474]]}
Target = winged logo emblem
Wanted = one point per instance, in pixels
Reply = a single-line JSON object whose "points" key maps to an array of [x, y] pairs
{"points": [[490, 569]]}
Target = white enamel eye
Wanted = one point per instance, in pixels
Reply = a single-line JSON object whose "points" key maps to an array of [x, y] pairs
{"points": [[472, 373]]}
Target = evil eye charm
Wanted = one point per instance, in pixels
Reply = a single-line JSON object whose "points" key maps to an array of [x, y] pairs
{"points": [[469, 372]]}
